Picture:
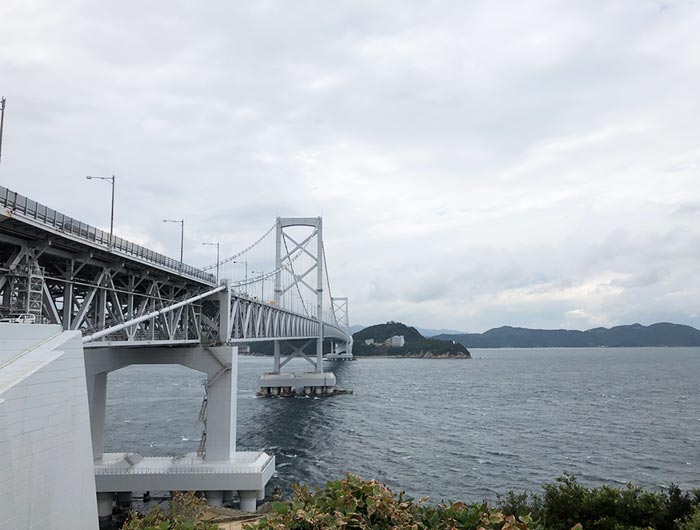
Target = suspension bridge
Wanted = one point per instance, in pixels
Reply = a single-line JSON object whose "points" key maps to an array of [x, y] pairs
{"points": [[131, 305]]}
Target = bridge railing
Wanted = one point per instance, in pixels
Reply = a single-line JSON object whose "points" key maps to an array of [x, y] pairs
{"points": [[39, 212]]}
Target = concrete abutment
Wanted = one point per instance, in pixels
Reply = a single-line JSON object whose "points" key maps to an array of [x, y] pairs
{"points": [[217, 472]]}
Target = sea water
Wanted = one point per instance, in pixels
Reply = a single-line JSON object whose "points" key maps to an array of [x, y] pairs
{"points": [[509, 419]]}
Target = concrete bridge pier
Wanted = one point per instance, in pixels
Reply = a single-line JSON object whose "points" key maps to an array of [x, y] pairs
{"points": [[276, 368], [215, 497], [97, 402], [249, 500], [105, 505], [216, 471], [228, 497], [340, 351], [124, 499], [218, 363], [278, 383]]}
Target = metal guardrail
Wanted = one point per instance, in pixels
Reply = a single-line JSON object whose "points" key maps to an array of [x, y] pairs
{"points": [[180, 470], [37, 211]]}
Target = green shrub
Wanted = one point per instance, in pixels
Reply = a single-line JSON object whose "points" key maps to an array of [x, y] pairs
{"points": [[566, 502], [184, 513], [353, 503], [692, 522]]}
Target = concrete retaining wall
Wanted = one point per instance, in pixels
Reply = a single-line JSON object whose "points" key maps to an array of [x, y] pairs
{"points": [[46, 467]]}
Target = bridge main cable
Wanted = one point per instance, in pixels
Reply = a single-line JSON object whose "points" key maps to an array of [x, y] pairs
{"points": [[239, 254]]}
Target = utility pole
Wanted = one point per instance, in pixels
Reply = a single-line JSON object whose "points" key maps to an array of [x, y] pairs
{"points": [[2, 122]]}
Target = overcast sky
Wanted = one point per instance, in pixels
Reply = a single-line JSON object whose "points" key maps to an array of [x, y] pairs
{"points": [[476, 163]]}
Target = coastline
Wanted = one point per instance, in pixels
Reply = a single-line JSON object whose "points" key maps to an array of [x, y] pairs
{"points": [[431, 357]]}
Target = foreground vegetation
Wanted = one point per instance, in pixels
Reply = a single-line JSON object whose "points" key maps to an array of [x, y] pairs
{"points": [[354, 503], [184, 512], [359, 504], [566, 502]]}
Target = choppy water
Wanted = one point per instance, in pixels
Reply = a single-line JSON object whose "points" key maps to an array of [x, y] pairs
{"points": [[460, 429]]}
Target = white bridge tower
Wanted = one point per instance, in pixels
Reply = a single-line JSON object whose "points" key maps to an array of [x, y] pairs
{"points": [[292, 236]]}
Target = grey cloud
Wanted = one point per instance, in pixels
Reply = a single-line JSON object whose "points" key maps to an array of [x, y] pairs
{"points": [[462, 155]]}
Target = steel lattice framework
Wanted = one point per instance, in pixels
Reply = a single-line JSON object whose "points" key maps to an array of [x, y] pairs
{"points": [[55, 269]]}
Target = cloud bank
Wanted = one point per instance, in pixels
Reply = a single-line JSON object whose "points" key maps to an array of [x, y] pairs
{"points": [[476, 164]]}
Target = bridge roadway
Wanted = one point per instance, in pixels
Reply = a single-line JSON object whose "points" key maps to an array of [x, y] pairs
{"points": [[136, 306], [89, 285]]}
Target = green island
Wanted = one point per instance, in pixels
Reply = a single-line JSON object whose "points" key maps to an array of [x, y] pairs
{"points": [[354, 503], [377, 341]]}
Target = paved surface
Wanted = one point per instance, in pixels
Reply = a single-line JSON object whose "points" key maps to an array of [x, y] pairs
{"points": [[229, 519], [235, 525]]}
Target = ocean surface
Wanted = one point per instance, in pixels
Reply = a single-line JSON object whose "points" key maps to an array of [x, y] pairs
{"points": [[447, 429]]}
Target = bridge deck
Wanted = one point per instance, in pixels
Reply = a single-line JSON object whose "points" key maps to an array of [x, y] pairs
{"points": [[14, 206], [90, 283]]}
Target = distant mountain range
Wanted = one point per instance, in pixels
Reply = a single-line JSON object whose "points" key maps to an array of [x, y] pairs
{"points": [[661, 334]]}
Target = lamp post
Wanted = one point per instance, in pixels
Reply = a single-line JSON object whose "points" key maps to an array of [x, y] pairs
{"points": [[111, 179], [263, 292], [2, 121], [262, 284], [181, 222], [246, 270], [217, 259]]}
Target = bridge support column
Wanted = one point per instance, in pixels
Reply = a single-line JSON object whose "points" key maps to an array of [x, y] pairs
{"points": [[105, 504], [287, 384], [219, 363], [248, 500], [215, 498], [97, 402], [224, 315], [319, 355], [276, 369], [124, 499], [221, 408], [228, 497]]}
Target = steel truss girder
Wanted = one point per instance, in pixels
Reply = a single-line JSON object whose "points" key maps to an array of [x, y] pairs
{"points": [[254, 320], [81, 292], [91, 290]]}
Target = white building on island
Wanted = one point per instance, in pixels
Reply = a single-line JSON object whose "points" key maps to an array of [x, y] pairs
{"points": [[398, 341]]}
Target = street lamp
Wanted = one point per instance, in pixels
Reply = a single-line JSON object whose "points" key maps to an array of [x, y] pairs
{"points": [[262, 284], [2, 121], [246, 270], [111, 219], [181, 222], [217, 259]]}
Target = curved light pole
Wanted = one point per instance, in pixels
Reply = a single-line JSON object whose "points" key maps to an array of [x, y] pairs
{"points": [[181, 222], [2, 121], [246, 269], [217, 259], [111, 179], [262, 283]]}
